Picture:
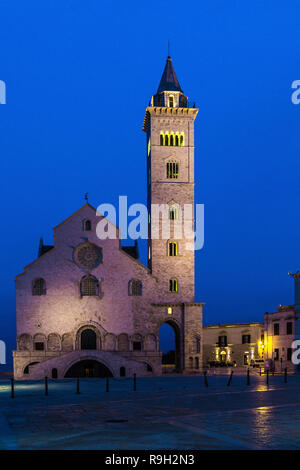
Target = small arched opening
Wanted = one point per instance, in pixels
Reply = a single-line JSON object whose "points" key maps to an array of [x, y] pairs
{"points": [[26, 370]]}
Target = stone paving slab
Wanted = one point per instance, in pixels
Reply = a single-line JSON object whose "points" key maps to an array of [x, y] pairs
{"points": [[166, 412]]}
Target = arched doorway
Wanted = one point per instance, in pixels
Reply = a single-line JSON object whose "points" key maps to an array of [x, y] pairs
{"points": [[88, 368], [26, 370], [169, 344], [88, 339]]}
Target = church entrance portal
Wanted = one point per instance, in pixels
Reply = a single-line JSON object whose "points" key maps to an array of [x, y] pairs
{"points": [[88, 368], [88, 339]]}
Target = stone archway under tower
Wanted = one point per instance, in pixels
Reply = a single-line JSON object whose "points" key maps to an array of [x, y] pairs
{"points": [[175, 343]]}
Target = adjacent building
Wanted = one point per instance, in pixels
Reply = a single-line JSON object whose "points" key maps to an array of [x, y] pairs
{"points": [[239, 344]]}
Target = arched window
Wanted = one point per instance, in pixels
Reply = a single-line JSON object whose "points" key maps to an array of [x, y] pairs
{"points": [[172, 249], [135, 287], [173, 285], [87, 225], [122, 372], [162, 139], [182, 139], [39, 287], [172, 170], [89, 285], [173, 213], [177, 140], [167, 138], [190, 362], [171, 101], [172, 140], [196, 363]]}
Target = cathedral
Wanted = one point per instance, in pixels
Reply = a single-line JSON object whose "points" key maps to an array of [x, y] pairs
{"points": [[86, 307]]}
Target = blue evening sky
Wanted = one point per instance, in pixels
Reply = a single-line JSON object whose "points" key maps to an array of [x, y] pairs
{"points": [[79, 75]]}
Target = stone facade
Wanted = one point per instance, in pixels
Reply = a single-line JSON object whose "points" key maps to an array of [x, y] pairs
{"points": [[74, 302], [279, 336], [241, 344]]}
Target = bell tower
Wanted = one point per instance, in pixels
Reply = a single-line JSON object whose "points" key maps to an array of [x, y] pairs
{"points": [[169, 125]]}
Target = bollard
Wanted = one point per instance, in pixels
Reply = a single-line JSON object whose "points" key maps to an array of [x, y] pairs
{"points": [[107, 384], [205, 379], [248, 376], [46, 386], [267, 376], [285, 375], [77, 386], [12, 381], [230, 378], [134, 382]]}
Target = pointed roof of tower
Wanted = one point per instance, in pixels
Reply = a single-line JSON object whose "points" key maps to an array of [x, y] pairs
{"points": [[169, 81]]}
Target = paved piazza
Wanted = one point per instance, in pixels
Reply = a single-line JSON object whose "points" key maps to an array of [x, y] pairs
{"points": [[171, 412]]}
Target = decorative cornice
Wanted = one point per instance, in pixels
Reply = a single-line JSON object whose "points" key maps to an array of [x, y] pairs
{"points": [[165, 111]]}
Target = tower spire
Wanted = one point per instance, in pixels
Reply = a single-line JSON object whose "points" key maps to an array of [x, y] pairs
{"points": [[169, 80]]}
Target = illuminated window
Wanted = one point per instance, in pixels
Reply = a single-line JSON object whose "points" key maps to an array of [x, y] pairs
{"points": [[135, 287], [172, 139], [173, 213], [172, 249], [89, 286], [171, 101], [173, 285], [149, 146], [170, 310], [39, 287], [87, 226], [172, 170]]}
